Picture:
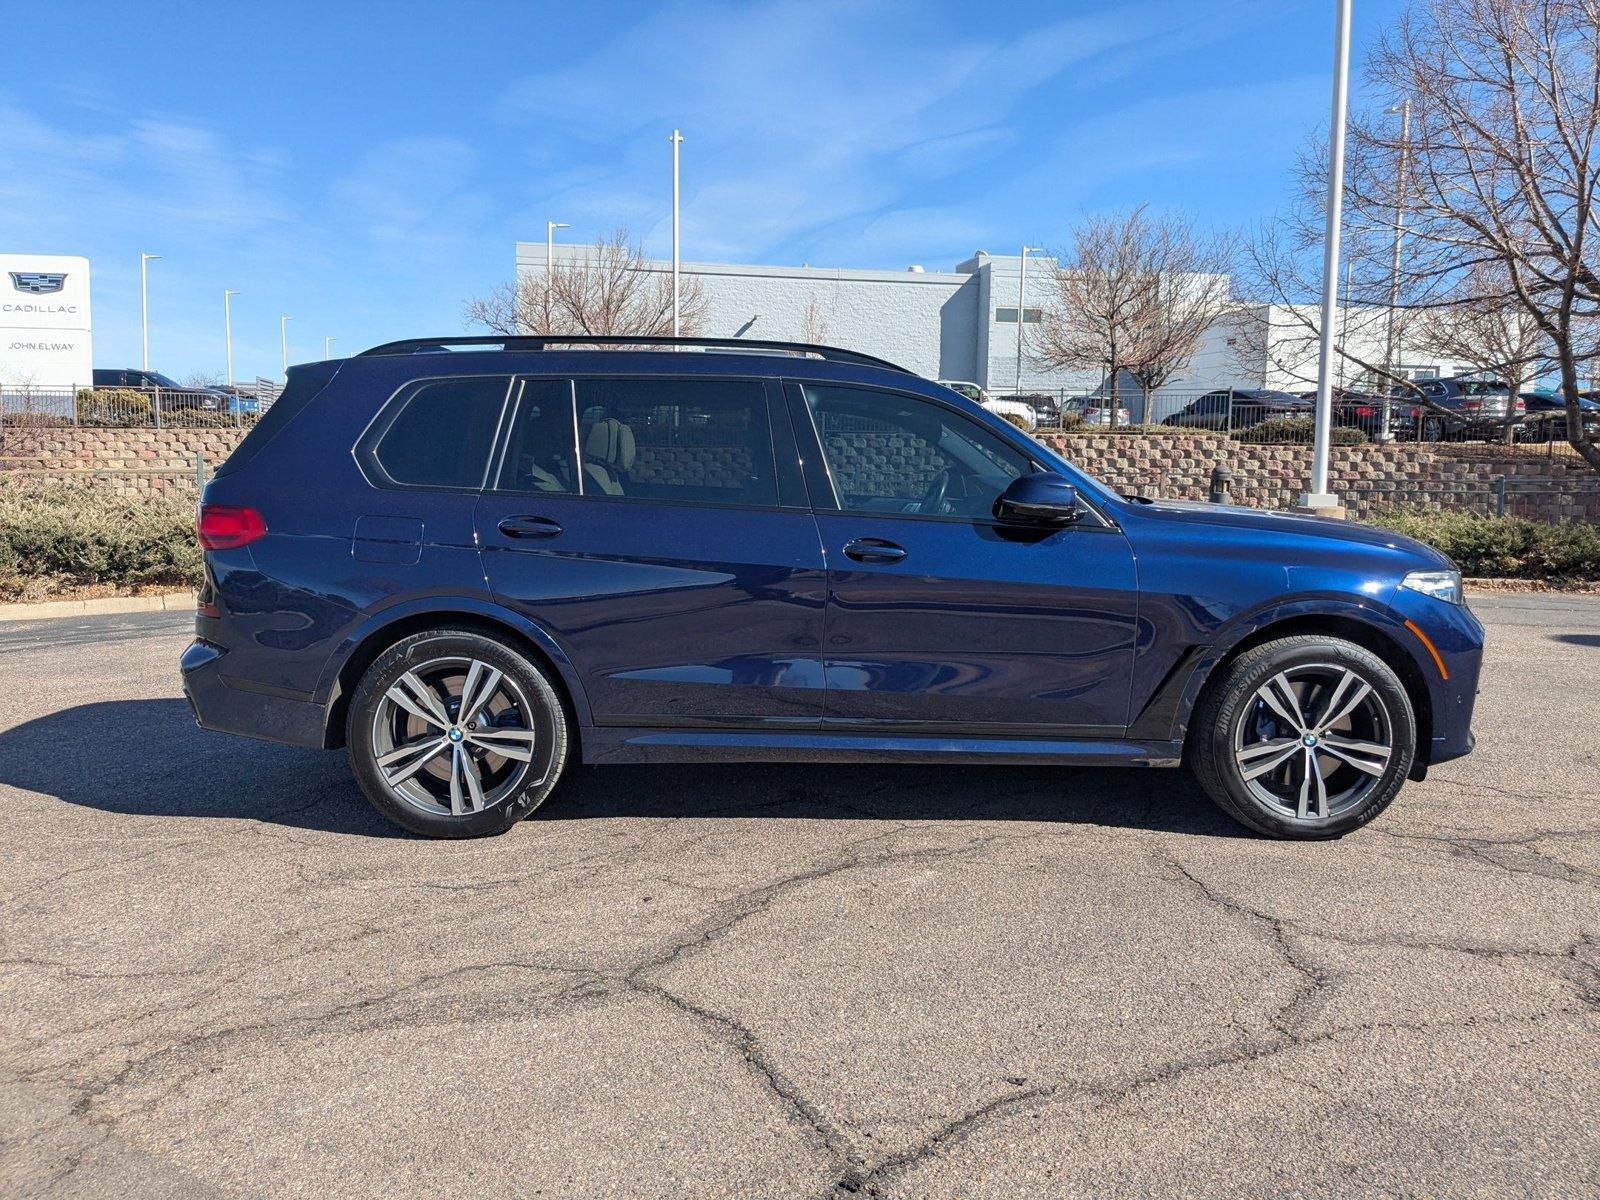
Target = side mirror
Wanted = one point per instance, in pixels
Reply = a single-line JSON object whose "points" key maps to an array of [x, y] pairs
{"points": [[1038, 499]]}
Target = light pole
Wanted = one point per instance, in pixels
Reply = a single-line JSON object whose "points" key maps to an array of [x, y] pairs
{"points": [[1319, 498], [1022, 292], [283, 343], [677, 140], [144, 304], [550, 228], [1390, 349], [227, 328], [327, 348]]}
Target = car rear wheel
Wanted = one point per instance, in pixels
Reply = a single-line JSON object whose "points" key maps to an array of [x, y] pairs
{"points": [[455, 734], [1304, 737]]}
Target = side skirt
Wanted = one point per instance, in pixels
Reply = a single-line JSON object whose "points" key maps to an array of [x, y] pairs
{"points": [[643, 745]]}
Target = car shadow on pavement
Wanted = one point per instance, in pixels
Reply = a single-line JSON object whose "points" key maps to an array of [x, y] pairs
{"points": [[1577, 639], [148, 758]]}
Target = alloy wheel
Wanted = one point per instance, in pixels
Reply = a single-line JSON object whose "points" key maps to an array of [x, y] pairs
{"points": [[455, 736], [1313, 742]]}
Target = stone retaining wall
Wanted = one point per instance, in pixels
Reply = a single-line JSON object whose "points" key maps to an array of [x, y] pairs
{"points": [[1267, 476], [1366, 477], [129, 460]]}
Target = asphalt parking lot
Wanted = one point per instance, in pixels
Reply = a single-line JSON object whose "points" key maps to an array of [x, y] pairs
{"points": [[221, 973]]}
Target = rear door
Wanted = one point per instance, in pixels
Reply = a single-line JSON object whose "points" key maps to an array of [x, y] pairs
{"points": [[941, 619], [657, 529]]}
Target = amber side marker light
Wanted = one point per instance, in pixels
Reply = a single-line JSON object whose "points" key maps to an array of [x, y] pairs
{"points": [[1444, 671]]}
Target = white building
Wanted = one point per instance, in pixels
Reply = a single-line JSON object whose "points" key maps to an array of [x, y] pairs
{"points": [[958, 324], [44, 321], [962, 324]]}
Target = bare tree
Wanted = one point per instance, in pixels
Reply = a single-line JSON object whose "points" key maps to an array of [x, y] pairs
{"points": [[1501, 166], [1477, 327], [1134, 293], [610, 289], [814, 326]]}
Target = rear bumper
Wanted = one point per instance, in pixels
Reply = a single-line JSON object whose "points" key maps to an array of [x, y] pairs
{"points": [[252, 710]]}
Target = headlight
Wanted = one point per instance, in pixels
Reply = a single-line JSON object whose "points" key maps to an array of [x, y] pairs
{"points": [[1441, 585]]}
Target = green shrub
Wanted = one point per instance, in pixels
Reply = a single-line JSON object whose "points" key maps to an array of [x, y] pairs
{"points": [[1299, 430], [114, 406], [1505, 547], [58, 536]]}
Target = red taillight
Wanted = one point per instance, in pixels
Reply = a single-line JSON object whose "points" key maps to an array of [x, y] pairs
{"points": [[1472, 405], [226, 527], [1364, 411]]}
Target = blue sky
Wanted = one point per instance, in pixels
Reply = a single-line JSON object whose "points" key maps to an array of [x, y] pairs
{"points": [[367, 167]]}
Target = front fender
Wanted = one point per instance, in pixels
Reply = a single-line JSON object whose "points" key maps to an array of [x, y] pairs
{"points": [[1166, 715]]}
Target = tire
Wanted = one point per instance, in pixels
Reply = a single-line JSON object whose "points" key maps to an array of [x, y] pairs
{"points": [[446, 775], [1432, 429], [1363, 755]]}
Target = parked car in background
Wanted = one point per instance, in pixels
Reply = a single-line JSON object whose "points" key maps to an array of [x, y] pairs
{"points": [[1046, 408], [173, 394], [473, 568], [1096, 410], [1007, 407], [1546, 415], [237, 399], [1460, 408], [1362, 410], [1238, 408]]}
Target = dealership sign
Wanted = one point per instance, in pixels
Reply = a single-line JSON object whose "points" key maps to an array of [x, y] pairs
{"points": [[44, 321]]}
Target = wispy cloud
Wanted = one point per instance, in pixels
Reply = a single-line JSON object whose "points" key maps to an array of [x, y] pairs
{"points": [[812, 124]]}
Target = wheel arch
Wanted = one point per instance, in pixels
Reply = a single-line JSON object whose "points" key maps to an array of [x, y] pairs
{"points": [[1174, 703], [362, 646]]}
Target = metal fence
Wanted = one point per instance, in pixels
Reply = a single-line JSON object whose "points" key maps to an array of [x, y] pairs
{"points": [[234, 406], [1241, 416]]}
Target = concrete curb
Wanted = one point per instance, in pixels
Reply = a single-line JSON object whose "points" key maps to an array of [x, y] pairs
{"points": [[99, 606]]}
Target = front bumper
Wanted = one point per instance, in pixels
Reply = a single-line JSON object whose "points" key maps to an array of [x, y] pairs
{"points": [[231, 705], [1457, 635]]}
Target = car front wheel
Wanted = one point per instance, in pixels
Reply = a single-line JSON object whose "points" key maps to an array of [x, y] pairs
{"points": [[1304, 737], [454, 734]]}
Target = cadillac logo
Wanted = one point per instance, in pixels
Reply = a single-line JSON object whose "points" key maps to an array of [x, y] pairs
{"points": [[38, 283]]}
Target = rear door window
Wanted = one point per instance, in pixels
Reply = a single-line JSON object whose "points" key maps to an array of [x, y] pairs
{"points": [[702, 441], [540, 455], [441, 432]]}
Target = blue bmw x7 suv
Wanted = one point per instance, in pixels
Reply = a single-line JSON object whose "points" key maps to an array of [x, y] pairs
{"points": [[472, 561]]}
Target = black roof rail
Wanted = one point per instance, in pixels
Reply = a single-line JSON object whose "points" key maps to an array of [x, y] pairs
{"points": [[527, 342]]}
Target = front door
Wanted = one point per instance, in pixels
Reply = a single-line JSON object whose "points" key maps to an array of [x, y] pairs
{"points": [[644, 523], [941, 619]]}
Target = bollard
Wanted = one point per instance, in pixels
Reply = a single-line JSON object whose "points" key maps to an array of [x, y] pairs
{"points": [[1221, 484]]}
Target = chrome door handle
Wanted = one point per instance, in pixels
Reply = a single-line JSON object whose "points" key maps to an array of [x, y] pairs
{"points": [[529, 527], [873, 550]]}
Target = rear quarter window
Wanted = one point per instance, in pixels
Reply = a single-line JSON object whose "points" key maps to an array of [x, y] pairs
{"points": [[438, 433]]}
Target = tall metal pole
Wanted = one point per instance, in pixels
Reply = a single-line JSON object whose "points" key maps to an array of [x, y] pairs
{"points": [[327, 348], [1319, 496], [677, 140], [1390, 347], [283, 342], [1022, 293], [227, 328], [550, 228], [144, 305]]}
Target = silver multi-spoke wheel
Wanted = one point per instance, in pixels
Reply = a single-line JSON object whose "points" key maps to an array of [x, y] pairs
{"points": [[454, 736], [1314, 741]]}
